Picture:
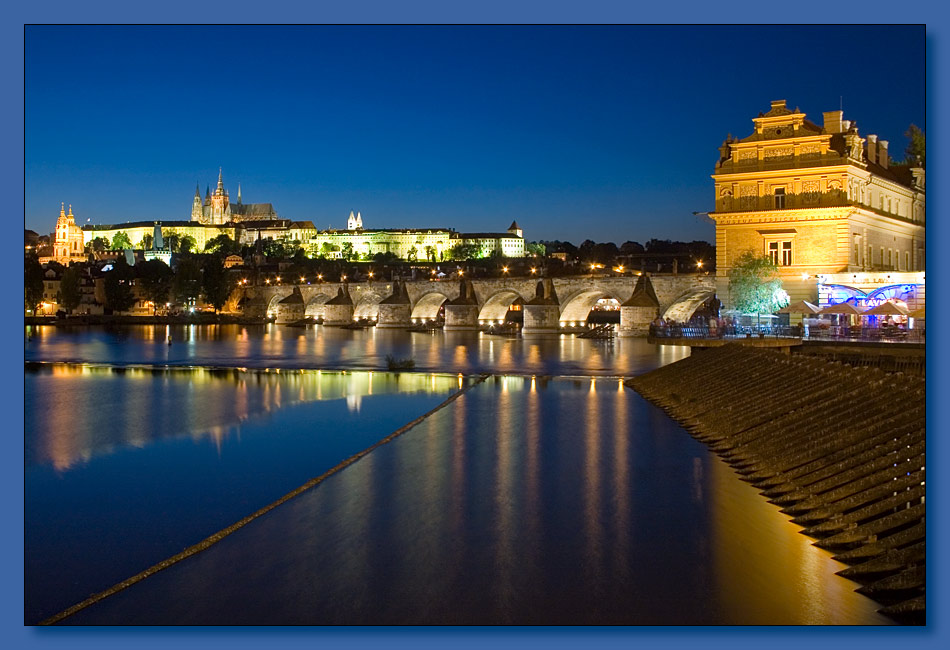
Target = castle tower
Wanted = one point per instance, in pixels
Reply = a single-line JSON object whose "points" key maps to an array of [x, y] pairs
{"points": [[359, 221], [351, 222], [515, 230]]}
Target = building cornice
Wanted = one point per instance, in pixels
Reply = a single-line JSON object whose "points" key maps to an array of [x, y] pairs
{"points": [[782, 216]]}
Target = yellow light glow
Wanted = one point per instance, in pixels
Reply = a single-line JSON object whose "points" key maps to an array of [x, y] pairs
{"points": [[504, 269], [370, 274], [534, 270], [319, 276], [302, 279]]}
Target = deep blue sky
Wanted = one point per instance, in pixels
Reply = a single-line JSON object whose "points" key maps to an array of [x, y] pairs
{"points": [[608, 133]]}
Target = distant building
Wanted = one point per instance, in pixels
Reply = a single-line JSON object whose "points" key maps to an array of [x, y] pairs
{"points": [[137, 230], [819, 200], [217, 209], [68, 244], [158, 251]]}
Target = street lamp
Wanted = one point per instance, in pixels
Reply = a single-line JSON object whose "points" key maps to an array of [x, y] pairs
{"points": [[533, 270], [504, 269]]}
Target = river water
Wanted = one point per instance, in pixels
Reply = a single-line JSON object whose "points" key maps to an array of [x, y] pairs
{"points": [[548, 493]]}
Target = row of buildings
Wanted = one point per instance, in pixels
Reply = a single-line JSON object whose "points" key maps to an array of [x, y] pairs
{"points": [[245, 223]]}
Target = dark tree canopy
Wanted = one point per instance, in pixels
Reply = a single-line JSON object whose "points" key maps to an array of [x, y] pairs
{"points": [[916, 151], [187, 283], [70, 288], [33, 275], [156, 279], [216, 282], [118, 286]]}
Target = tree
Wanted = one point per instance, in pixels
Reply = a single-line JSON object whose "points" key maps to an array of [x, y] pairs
{"points": [[412, 254], [156, 279], [463, 252], [187, 244], [118, 286], [33, 276], [216, 282], [327, 249], [586, 250], [430, 253], [172, 241], [70, 288], [631, 248], [754, 284], [916, 151], [146, 243], [121, 241], [536, 248], [99, 245], [187, 283], [222, 244], [347, 251]]}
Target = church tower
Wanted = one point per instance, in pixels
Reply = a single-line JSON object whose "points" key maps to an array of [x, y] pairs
{"points": [[219, 202], [359, 221], [196, 205], [351, 222]]}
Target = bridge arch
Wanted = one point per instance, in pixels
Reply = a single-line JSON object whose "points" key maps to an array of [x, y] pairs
{"points": [[497, 305], [428, 304], [274, 299], [577, 306], [316, 306], [367, 306], [682, 308]]}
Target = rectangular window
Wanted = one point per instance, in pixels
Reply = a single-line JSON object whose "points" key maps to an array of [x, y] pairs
{"points": [[786, 253], [906, 261], [870, 259], [857, 259], [773, 252], [779, 198], [890, 258], [882, 256]]}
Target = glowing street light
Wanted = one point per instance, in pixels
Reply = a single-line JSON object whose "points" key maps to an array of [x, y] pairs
{"points": [[319, 276], [504, 269], [534, 270], [303, 279], [371, 274], [619, 269], [699, 264]]}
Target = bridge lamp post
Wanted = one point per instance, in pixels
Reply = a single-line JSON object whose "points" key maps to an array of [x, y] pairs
{"points": [[370, 275], [278, 279], [533, 270], [320, 277], [343, 278], [504, 269]]}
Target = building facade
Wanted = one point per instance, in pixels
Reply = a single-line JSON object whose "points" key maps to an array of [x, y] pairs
{"points": [[818, 200]]}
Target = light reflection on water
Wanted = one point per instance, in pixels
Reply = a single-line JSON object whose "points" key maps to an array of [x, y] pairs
{"points": [[528, 500], [329, 347], [127, 466]]}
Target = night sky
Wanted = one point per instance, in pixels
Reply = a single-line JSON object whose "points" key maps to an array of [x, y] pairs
{"points": [[608, 133]]}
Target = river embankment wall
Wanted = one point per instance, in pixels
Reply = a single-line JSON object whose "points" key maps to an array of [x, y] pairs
{"points": [[840, 448]]}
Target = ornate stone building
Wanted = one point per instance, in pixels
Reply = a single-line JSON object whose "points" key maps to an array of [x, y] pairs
{"points": [[68, 245], [817, 199], [217, 209]]}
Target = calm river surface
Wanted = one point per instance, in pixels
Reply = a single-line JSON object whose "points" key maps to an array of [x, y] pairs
{"points": [[540, 499]]}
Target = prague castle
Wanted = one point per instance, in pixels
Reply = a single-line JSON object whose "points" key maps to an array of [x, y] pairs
{"points": [[245, 223], [217, 209], [821, 201]]}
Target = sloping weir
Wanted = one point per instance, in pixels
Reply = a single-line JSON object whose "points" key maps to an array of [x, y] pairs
{"points": [[839, 448]]}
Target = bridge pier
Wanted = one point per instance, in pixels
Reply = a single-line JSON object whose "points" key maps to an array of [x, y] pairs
{"points": [[542, 314], [461, 314], [339, 310], [641, 308], [395, 311], [291, 308]]}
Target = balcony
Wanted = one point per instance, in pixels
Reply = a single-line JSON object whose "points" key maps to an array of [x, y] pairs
{"points": [[771, 164], [832, 199]]}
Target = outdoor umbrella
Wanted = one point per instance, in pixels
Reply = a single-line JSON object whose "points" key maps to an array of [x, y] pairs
{"points": [[800, 307], [842, 308], [887, 309]]}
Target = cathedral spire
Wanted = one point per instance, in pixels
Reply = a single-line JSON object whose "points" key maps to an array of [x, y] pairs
{"points": [[239, 192], [220, 182], [197, 192], [70, 209], [62, 209]]}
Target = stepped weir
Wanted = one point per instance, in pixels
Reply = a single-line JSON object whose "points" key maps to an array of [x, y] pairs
{"points": [[841, 449]]}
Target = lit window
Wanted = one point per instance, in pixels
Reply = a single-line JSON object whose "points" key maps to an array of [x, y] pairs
{"points": [[779, 198], [786, 253]]}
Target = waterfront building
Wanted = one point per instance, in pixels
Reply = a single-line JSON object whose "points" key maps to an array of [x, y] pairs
{"points": [[217, 208], [68, 244], [819, 200]]}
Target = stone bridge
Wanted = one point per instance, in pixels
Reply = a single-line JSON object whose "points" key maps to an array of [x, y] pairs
{"points": [[564, 301]]}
